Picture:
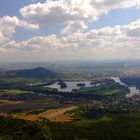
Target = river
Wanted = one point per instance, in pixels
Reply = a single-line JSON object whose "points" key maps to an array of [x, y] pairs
{"points": [[73, 85], [70, 86], [133, 89]]}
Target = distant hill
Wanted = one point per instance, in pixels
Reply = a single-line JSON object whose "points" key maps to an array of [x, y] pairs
{"points": [[38, 72]]}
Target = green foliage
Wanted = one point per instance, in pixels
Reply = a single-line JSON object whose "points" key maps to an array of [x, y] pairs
{"points": [[16, 83], [116, 127], [123, 127], [11, 129]]}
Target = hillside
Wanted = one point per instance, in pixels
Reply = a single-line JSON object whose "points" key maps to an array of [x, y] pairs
{"points": [[38, 72], [119, 127]]}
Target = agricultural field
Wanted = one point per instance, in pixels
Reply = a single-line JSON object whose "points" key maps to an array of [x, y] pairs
{"points": [[27, 105], [54, 115], [13, 92], [101, 92]]}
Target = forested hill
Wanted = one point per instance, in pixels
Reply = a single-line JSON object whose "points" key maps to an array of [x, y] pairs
{"points": [[38, 72]]}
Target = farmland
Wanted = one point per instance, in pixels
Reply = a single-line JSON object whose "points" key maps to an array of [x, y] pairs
{"points": [[25, 105], [99, 107], [55, 115], [13, 92]]}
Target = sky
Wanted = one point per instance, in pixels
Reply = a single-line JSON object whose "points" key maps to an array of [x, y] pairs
{"points": [[52, 30]]}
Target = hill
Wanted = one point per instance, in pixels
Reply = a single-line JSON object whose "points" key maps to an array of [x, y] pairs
{"points": [[38, 72]]}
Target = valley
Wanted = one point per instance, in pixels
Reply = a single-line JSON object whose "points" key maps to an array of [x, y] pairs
{"points": [[62, 104]]}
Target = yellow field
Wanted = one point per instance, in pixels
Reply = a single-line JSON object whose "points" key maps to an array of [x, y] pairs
{"points": [[57, 115]]}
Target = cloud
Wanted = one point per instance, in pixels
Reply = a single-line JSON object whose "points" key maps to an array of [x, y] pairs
{"points": [[104, 43], [76, 40], [8, 26], [74, 14], [58, 11], [1, 36], [105, 6], [64, 11], [74, 27], [133, 29], [35, 44]]}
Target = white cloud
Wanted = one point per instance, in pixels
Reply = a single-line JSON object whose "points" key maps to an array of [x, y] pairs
{"points": [[133, 29], [101, 43], [74, 27], [8, 26], [106, 5], [74, 14], [75, 42], [1, 36], [35, 44], [64, 11], [58, 11]]}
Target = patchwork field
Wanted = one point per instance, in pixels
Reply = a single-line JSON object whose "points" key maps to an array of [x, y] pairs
{"points": [[33, 110], [27, 105], [55, 115]]}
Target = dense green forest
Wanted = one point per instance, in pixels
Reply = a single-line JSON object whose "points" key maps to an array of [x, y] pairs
{"points": [[118, 127], [12, 129]]}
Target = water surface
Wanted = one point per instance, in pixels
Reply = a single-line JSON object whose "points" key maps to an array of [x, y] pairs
{"points": [[133, 89], [70, 85]]}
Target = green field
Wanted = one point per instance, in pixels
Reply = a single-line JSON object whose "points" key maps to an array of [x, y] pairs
{"points": [[15, 80], [16, 83], [109, 92], [96, 90], [13, 92]]}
